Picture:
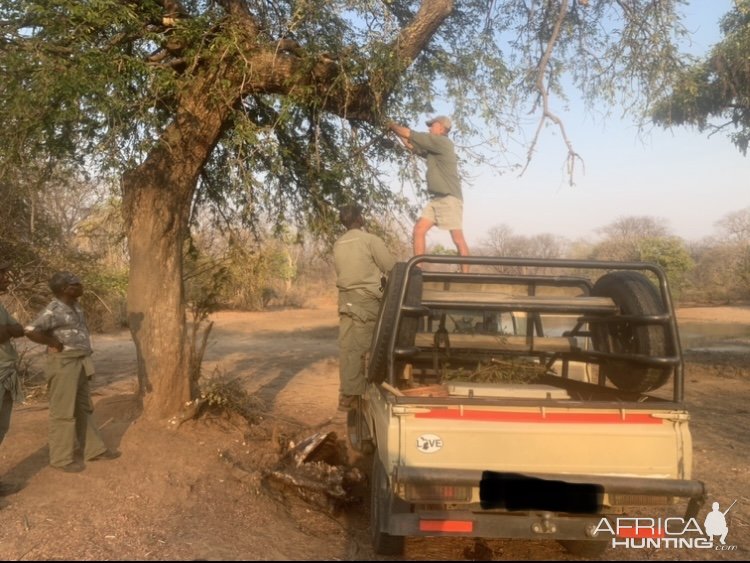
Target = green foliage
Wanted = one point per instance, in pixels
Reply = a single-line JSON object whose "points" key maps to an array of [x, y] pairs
{"points": [[669, 253], [714, 94], [645, 239], [241, 271], [104, 296], [441, 250], [251, 271], [624, 236], [99, 81], [742, 270]]}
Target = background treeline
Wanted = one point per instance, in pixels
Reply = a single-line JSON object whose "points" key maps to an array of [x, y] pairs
{"points": [[714, 270], [75, 225]]}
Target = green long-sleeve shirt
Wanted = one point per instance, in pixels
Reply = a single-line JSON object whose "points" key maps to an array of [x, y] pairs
{"points": [[442, 163], [361, 259]]}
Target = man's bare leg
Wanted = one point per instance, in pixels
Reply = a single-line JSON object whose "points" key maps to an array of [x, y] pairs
{"points": [[419, 236], [463, 249]]}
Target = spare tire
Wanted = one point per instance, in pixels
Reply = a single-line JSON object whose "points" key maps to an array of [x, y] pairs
{"points": [[377, 367], [634, 294]]}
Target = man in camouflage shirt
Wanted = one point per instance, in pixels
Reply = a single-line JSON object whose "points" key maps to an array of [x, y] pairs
{"points": [[361, 260], [62, 327]]}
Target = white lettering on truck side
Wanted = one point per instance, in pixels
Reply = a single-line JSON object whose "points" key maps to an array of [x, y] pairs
{"points": [[429, 443]]}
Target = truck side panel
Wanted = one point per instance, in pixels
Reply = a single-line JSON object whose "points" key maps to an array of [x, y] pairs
{"points": [[544, 441]]}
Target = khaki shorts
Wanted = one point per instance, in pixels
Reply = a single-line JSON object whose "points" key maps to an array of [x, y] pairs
{"points": [[446, 212]]}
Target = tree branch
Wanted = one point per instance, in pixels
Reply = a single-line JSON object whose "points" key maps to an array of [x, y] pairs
{"points": [[543, 89], [413, 38], [281, 69]]}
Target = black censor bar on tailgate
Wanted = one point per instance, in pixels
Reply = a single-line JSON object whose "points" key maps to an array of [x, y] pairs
{"points": [[513, 491]]}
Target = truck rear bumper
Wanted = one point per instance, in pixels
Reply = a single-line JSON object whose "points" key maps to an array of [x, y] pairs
{"points": [[492, 525], [534, 505], [611, 484]]}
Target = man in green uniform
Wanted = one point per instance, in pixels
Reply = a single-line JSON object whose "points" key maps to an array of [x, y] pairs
{"points": [[62, 327], [10, 383], [361, 260], [446, 206]]}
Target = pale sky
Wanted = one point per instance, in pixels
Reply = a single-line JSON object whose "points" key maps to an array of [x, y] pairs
{"points": [[684, 177]]}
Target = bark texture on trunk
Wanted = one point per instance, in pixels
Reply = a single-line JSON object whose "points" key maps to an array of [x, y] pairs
{"points": [[155, 302], [157, 200]]}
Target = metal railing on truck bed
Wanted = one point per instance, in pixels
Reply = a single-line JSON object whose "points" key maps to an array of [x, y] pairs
{"points": [[619, 316]]}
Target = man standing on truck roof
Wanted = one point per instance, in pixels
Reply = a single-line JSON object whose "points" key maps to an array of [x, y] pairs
{"points": [[446, 206], [361, 260]]}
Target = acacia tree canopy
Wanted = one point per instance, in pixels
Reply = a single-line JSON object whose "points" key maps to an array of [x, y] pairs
{"points": [[102, 79], [275, 109], [714, 94]]}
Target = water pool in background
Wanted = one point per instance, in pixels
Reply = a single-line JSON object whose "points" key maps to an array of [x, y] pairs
{"points": [[715, 336], [729, 337]]}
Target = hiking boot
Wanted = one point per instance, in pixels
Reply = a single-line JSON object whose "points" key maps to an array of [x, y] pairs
{"points": [[106, 454], [347, 402], [72, 467]]}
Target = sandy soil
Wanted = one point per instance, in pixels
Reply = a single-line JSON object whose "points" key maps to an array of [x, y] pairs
{"points": [[739, 314], [199, 490]]}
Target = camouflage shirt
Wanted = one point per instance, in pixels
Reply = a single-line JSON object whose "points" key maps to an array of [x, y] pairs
{"points": [[67, 324], [8, 356]]}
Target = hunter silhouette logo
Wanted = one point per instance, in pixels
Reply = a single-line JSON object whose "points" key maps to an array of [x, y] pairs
{"points": [[716, 523], [670, 532]]}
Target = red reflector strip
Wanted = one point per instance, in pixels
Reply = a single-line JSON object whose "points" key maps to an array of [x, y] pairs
{"points": [[456, 526], [549, 417], [640, 533]]}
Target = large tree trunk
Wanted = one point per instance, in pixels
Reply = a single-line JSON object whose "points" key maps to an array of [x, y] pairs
{"points": [[155, 296], [157, 198]]}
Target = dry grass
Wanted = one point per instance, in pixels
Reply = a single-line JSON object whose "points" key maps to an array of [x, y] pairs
{"points": [[506, 370]]}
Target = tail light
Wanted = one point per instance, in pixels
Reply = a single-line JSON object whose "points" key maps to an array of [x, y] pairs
{"points": [[419, 493]]}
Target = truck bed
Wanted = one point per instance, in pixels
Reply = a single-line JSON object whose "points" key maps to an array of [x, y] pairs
{"points": [[509, 402]]}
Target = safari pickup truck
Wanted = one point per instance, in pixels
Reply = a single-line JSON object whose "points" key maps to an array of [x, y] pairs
{"points": [[528, 398]]}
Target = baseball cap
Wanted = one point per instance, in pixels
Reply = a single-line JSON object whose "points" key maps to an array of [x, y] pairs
{"points": [[443, 120]]}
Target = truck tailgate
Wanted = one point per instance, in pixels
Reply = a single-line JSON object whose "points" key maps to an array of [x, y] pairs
{"points": [[555, 440]]}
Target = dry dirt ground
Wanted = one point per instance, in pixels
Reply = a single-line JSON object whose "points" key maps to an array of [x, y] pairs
{"points": [[200, 490]]}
